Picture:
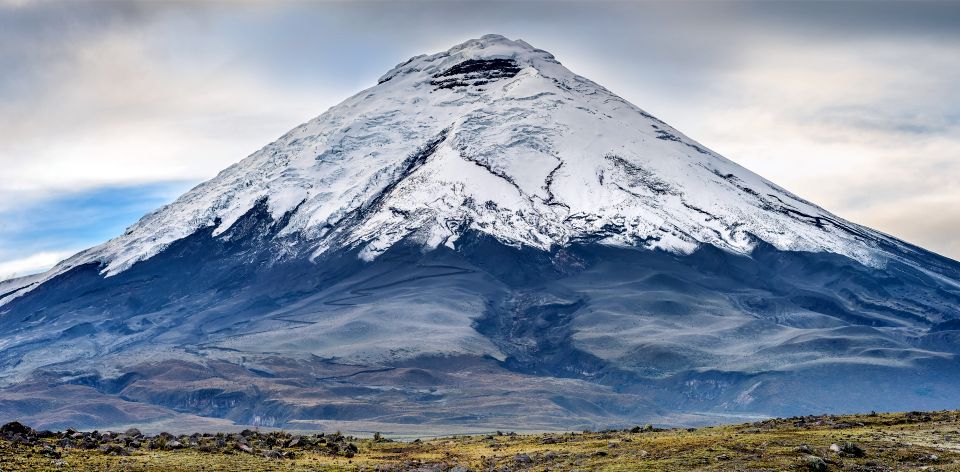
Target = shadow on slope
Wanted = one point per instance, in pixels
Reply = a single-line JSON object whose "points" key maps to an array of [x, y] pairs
{"points": [[239, 327]]}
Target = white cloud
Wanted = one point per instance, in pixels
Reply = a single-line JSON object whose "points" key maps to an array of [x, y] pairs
{"points": [[864, 135], [112, 113], [32, 264]]}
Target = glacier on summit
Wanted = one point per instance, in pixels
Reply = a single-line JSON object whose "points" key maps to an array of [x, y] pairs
{"points": [[518, 147], [486, 206]]}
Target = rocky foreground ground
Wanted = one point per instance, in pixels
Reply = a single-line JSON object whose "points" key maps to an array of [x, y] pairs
{"points": [[870, 442]]}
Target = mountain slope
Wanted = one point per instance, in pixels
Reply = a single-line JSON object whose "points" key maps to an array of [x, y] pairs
{"points": [[496, 136], [485, 231]]}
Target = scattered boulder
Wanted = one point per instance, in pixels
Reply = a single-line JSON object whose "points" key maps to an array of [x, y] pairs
{"points": [[113, 450], [243, 447], [21, 439], [16, 427], [273, 454], [49, 451], [850, 449], [814, 463]]}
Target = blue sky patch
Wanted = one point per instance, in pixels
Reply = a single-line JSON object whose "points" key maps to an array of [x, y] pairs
{"points": [[75, 221]]}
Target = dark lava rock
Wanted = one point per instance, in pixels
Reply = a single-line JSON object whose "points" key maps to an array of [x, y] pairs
{"points": [[15, 427], [174, 445], [852, 450], [114, 450], [21, 439], [815, 464], [273, 454], [522, 459], [474, 72], [49, 451]]}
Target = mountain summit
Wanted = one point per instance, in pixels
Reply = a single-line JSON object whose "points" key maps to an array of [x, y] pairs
{"points": [[482, 235], [495, 136]]}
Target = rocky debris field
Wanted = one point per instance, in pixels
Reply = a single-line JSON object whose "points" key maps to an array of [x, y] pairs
{"points": [[868, 442], [273, 444]]}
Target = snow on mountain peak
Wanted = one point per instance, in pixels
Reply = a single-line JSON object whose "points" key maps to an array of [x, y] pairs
{"points": [[487, 47], [496, 136]]}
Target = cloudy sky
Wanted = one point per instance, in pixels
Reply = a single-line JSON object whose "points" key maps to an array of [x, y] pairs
{"points": [[111, 109]]}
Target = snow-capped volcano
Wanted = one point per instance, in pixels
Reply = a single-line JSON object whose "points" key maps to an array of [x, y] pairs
{"points": [[485, 203], [496, 136]]}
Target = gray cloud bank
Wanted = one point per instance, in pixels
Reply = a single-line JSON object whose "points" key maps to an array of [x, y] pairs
{"points": [[854, 105]]}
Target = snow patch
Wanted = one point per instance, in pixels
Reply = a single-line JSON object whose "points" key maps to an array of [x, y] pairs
{"points": [[531, 154]]}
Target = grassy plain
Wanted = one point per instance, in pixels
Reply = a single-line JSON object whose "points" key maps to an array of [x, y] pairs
{"points": [[869, 442]]}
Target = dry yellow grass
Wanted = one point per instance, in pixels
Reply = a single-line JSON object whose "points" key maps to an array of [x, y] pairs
{"points": [[901, 441]]}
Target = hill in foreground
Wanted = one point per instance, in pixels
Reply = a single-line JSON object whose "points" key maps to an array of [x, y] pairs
{"points": [[870, 442]]}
